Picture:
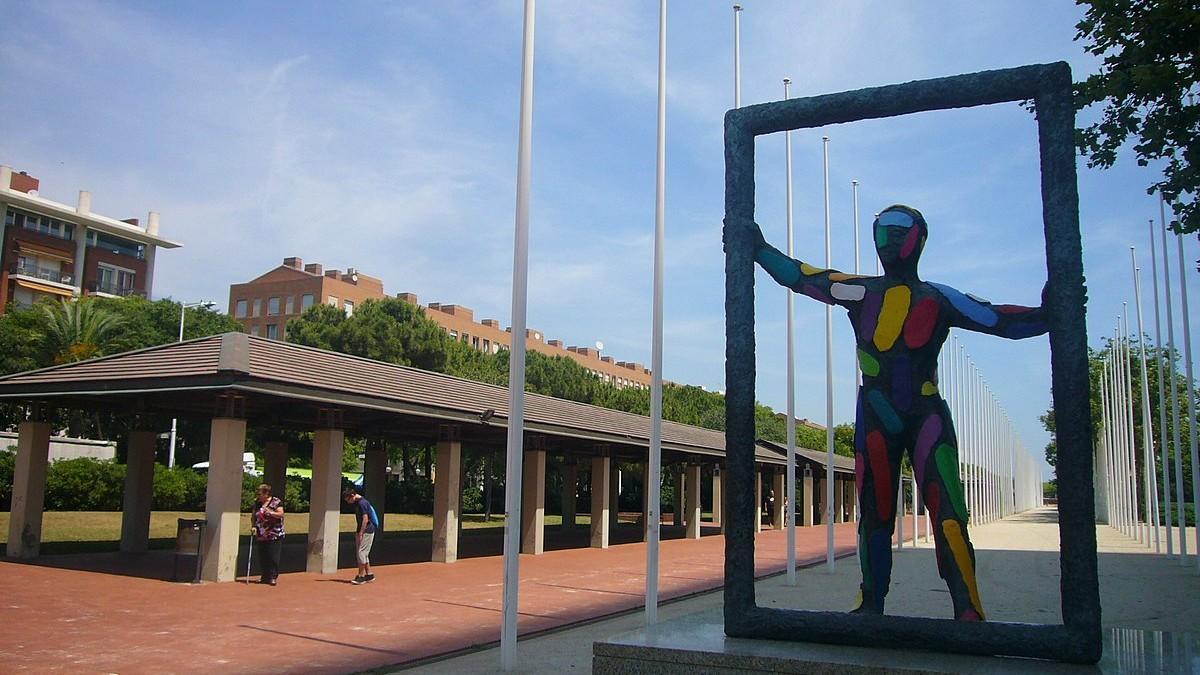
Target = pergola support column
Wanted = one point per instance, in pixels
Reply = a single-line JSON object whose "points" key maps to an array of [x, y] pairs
{"points": [[139, 491], [758, 498], [223, 500], [570, 486], [28, 490], [717, 493], [601, 493], [375, 476], [809, 489], [677, 510], [614, 496], [839, 515], [693, 501], [783, 505], [275, 459], [447, 493], [324, 514], [533, 502]]}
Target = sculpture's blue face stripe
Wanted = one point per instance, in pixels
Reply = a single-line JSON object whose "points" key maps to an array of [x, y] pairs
{"points": [[896, 219]]}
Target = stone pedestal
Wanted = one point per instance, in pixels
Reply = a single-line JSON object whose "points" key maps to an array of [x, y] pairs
{"points": [[533, 502], [325, 503], [601, 494], [139, 491], [223, 502], [28, 490], [446, 500]]}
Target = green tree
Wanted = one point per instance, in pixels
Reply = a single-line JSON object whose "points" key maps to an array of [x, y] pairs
{"points": [[74, 330], [1150, 67]]}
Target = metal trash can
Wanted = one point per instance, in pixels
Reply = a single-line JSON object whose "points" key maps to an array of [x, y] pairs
{"points": [[189, 537]]}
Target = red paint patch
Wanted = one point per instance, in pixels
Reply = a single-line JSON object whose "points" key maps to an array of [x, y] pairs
{"points": [[918, 327], [1013, 309], [910, 242], [881, 473]]}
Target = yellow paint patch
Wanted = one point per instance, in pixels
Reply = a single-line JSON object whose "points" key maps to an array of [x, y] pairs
{"points": [[963, 559], [842, 276], [891, 317], [929, 389], [809, 270]]}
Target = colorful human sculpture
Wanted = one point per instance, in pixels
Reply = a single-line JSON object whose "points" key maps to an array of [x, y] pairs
{"points": [[900, 323]]}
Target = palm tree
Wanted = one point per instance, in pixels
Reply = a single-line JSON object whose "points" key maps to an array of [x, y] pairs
{"points": [[78, 329]]}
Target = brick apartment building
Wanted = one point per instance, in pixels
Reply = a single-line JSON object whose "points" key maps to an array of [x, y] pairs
{"points": [[51, 249], [265, 304]]}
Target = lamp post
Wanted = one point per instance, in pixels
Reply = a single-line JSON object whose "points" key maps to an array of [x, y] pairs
{"points": [[183, 306]]}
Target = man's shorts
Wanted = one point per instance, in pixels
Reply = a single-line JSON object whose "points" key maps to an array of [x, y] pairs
{"points": [[364, 548]]}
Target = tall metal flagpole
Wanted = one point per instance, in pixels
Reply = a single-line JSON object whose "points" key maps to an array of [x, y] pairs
{"points": [[1147, 419], [1127, 369], [790, 498], [737, 56], [516, 364], [1174, 391], [1160, 361], [1191, 397], [654, 481], [829, 479]]}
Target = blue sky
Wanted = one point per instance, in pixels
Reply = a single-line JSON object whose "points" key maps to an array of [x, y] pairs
{"points": [[382, 136]]}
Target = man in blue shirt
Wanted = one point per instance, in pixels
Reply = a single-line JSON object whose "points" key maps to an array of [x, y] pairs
{"points": [[364, 534]]}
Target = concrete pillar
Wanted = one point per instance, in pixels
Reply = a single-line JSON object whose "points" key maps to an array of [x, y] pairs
{"points": [[446, 499], [693, 501], [850, 502], [29, 489], [716, 495], [677, 513], [325, 503], [139, 491], [614, 496], [375, 476], [570, 486], [601, 494], [533, 502], [275, 459], [223, 501], [779, 485], [807, 506], [722, 493], [758, 498], [839, 514], [646, 488], [822, 501]]}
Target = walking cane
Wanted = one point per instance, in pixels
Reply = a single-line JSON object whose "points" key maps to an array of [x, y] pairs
{"points": [[249, 555]]}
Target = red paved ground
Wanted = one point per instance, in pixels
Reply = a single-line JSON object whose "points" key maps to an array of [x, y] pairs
{"points": [[56, 619]]}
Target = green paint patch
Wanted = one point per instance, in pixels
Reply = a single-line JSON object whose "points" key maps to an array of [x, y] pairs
{"points": [[947, 463], [868, 363]]}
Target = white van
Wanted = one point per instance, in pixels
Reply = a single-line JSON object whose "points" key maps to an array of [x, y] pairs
{"points": [[247, 464]]}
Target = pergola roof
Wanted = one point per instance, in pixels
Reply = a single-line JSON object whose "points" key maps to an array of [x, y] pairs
{"points": [[287, 385]]}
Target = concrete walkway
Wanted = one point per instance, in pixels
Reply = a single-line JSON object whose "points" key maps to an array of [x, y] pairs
{"points": [[55, 619], [1019, 581]]}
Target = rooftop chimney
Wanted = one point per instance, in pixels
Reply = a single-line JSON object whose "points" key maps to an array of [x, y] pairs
{"points": [[408, 297], [20, 181], [85, 202], [294, 263], [334, 274], [152, 223], [491, 323], [314, 268]]}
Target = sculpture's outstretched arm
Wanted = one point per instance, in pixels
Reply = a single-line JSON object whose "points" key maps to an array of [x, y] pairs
{"points": [[829, 286], [1008, 321]]}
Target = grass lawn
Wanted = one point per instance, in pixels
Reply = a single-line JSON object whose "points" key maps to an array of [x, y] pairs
{"points": [[94, 531]]}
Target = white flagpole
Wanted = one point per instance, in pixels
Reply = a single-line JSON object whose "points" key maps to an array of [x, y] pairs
{"points": [[1174, 391], [654, 481], [829, 475], [1147, 419], [1160, 361], [1127, 369], [516, 364], [1191, 397], [790, 498], [737, 56]]}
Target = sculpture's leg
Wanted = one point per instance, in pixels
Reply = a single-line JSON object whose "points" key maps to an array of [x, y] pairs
{"points": [[935, 454], [876, 463]]}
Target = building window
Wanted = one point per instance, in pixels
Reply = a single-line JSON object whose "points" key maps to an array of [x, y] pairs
{"points": [[290, 305], [257, 307], [254, 330], [348, 307], [453, 335], [116, 244], [487, 345], [240, 312], [273, 306], [306, 301], [475, 343], [272, 331], [42, 224], [114, 280], [333, 301], [466, 338]]}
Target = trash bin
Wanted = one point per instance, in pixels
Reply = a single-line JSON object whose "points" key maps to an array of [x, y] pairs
{"points": [[189, 537]]}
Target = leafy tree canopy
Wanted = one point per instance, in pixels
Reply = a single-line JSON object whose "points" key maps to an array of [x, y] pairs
{"points": [[1151, 63]]}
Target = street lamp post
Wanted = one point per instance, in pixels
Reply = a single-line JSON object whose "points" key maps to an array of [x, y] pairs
{"points": [[183, 306]]}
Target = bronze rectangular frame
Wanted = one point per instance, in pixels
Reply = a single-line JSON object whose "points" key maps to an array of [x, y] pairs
{"points": [[1078, 638]]}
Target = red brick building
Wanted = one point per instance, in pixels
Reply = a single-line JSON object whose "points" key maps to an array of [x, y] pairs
{"points": [[265, 304], [51, 249]]}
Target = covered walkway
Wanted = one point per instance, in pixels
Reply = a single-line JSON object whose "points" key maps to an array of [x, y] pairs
{"points": [[236, 381]]}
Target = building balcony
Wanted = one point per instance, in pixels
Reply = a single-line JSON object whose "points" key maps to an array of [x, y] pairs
{"points": [[42, 273], [114, 290]]}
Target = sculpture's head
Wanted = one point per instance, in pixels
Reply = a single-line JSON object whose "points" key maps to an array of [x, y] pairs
{"points": [[900, 233]]}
